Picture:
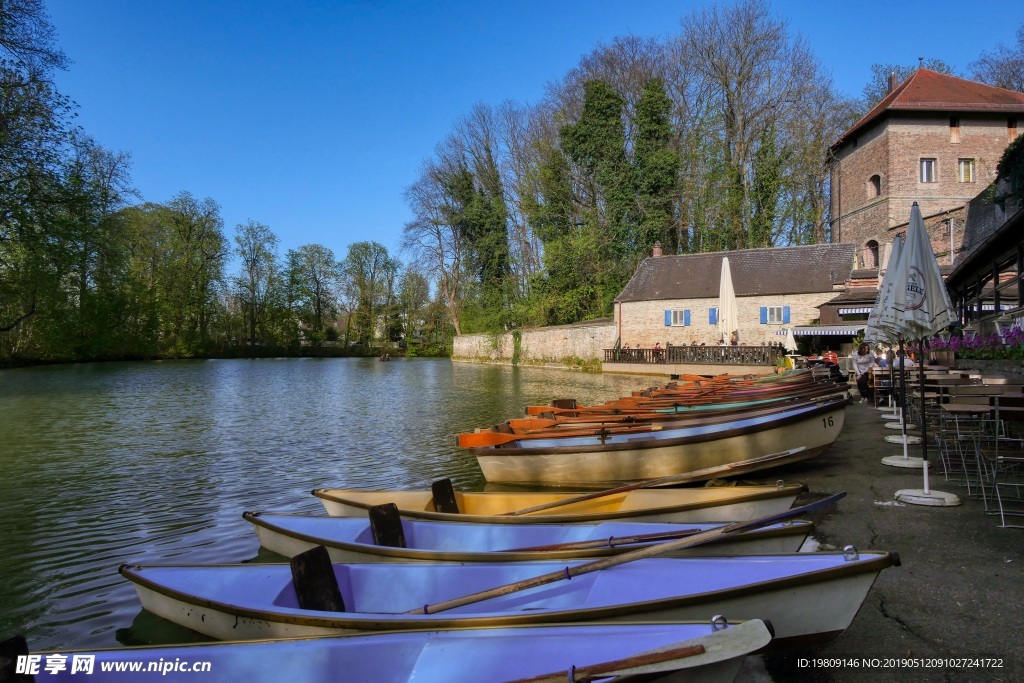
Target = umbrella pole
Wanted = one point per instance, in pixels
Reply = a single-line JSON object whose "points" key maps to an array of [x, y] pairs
{"points": [[924, 421], [903, 398], [905, 460], [925, 496]]}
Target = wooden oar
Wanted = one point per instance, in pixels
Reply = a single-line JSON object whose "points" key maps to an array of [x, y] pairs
{"points": [[660, 481], [610, 542], [619, 667], [614, 561], [481, 439]]}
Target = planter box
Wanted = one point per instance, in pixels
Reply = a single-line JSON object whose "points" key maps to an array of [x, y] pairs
{"points": [[944, 357], [1005, 368]]}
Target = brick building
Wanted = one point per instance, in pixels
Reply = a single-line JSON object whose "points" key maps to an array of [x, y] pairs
{"points": [[934, 139]]}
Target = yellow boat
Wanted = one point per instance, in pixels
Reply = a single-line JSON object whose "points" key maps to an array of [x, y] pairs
{"points": [[684, 505]]}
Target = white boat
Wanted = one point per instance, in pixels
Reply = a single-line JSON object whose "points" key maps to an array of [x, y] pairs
{"points": [[351, 539], [675, 506], [721, 447], [809, 597]]}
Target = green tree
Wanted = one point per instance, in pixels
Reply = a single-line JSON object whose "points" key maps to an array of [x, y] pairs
{"points": [[371, 273], [256, 246], [313, 275], [657, 164], [766, 193], [198, 251]]}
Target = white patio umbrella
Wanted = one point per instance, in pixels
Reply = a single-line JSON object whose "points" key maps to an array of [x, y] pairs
{"points": [[728, 311], [789, 341], [873, 333], [918, 307]]}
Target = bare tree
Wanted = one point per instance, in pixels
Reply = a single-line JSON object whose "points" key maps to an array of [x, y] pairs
{"points": [[754, 70], [433, 243], [1004, 66]]}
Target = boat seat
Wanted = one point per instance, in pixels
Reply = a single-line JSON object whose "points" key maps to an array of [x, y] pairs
{"points": [[386, 526], [315, 584], [444, 496]]}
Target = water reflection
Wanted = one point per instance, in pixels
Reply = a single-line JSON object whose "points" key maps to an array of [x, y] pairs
{"points": [[155, 462]]}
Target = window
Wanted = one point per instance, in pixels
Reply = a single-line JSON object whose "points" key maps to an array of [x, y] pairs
{"points": [[966, 170], [954, 130], [775, 315], [928, 174], [874, 186], [1011, 129], [678, 318], [871, 254]]}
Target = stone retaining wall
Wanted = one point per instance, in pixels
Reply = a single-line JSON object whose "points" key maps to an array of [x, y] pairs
{"points": [[562, 345]]}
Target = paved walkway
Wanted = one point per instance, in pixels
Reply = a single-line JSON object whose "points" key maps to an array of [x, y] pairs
{"points": [[959, 593]]}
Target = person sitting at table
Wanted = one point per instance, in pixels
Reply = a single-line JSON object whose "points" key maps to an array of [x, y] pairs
{"points": [[830, 357], [905, 359], [863, 360]]}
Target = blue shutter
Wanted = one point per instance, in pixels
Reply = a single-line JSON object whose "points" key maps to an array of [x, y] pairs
{"points": [[713, 316], [764, 315], [785, 314], [668, 318], [686, 317]]}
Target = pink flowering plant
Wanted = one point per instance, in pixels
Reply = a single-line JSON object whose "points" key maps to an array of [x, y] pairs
{"points": [[991, 347]]}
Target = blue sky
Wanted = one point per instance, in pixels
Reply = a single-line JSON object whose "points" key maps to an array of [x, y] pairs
{"points": [[313, 117]]}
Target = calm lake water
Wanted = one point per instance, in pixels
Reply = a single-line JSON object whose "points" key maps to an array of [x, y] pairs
{"points": [[104, 464]]}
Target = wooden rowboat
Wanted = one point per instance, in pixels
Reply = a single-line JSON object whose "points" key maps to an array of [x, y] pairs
{"points": [[735, 443], [352, 539], [703, 651], [675, 506], [809, 597]]}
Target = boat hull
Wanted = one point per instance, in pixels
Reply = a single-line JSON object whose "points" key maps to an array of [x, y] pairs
{"points": [[675, 506], [350, 540], [721, 450], [809, 598], [465, 656]]}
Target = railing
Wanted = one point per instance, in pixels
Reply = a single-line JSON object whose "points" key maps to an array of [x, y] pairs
{"points": [[697, 355]]}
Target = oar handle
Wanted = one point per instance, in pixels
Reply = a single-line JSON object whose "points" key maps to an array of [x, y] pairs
{"points": [[610, 542], [617, 667], [485, 439]]}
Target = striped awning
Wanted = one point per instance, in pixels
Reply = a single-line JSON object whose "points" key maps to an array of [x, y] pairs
{"points": [[825, 330], [854, 311]]}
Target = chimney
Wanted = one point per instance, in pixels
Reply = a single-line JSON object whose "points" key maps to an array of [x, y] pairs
{"points": [[892, 81], [656, 252]]}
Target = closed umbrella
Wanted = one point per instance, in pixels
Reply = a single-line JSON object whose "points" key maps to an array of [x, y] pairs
{"points": [[918, 307], [728, 313], [873, 333], [789, 341]]}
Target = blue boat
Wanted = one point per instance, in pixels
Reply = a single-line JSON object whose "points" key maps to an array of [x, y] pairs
{"points": [[809, 597], [351, 539], [468, 656]]}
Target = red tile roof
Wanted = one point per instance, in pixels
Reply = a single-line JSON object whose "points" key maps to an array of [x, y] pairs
{"points": [[927, 90]]}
